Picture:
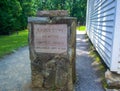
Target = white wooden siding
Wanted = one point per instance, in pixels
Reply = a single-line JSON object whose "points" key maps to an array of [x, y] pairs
{"points": [[103, 29]]}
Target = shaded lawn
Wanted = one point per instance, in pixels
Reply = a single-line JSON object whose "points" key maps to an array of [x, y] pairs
{"points": [[10, 43]]}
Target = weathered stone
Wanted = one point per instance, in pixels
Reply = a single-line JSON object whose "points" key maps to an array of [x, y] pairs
{"points": [[50, 74], [113, 79], [73, 51], [52, 13], [57, 70], [38, 19], [112, 89], [37, 79], [56, 66], [62, 66]]}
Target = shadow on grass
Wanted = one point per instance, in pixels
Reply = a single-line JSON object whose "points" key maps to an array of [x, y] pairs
{"points": [[98, 64]]}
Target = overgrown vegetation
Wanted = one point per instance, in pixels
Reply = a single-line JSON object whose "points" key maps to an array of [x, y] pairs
{"points": [[9, 43], [14, 13], [98, 64]]}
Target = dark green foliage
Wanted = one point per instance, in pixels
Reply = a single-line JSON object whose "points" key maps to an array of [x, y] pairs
{"points": [[9, 13], [79, 10], [76, 8], [14, 13]]}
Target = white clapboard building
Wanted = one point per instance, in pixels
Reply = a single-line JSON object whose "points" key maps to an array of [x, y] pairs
{"points": [[103, 29]]}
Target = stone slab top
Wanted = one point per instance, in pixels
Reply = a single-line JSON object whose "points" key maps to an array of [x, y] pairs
{"points": [[66, 18], [38, 19], [44, 20], [52, 13]]}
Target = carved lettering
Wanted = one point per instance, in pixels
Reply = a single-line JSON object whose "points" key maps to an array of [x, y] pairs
{"points": [[50, 38]]}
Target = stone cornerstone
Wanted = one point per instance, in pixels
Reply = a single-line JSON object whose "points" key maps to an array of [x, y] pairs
{"points": [[52, 44]]}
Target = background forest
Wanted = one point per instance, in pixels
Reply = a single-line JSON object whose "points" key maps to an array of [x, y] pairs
{"points": [[14, 13]]}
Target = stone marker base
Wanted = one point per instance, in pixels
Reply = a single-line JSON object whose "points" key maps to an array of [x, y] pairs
{"points": [[52, 45], [112, 89], [113, 80], [54, 76]]}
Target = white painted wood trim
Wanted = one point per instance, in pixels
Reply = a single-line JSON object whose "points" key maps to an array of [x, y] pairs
{"points": [[115, 65]]}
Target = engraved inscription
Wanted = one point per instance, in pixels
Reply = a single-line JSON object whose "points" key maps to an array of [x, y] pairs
{"points": [[50, 38]]}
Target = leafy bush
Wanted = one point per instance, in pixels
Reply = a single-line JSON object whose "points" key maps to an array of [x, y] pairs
{"points": [[13, 15], [9, 13]]}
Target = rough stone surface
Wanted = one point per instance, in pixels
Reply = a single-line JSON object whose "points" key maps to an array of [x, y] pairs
{"points": [[112, 89], [39, 19], [52, 13], [54, 70], [37, 77], [113, 79]]}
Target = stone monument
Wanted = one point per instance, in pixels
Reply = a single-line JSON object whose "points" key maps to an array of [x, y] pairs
{"points": [[52, 44]]}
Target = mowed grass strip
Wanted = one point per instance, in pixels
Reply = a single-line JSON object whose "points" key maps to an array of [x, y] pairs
{"points": [[12, 42], [81, 28]]}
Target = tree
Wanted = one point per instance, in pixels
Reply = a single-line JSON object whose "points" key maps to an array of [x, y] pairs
{"points": [[14, 13], [76, 8], [9, 13], [28, 9], [79, 10]]}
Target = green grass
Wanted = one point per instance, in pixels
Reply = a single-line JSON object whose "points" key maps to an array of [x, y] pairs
{"points": [[98, 64], [81, 28], [12, 42]]}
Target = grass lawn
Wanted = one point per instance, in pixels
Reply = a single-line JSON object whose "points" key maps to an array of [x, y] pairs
{"points": [[10, 43], [98, 64], [81, 28]]}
